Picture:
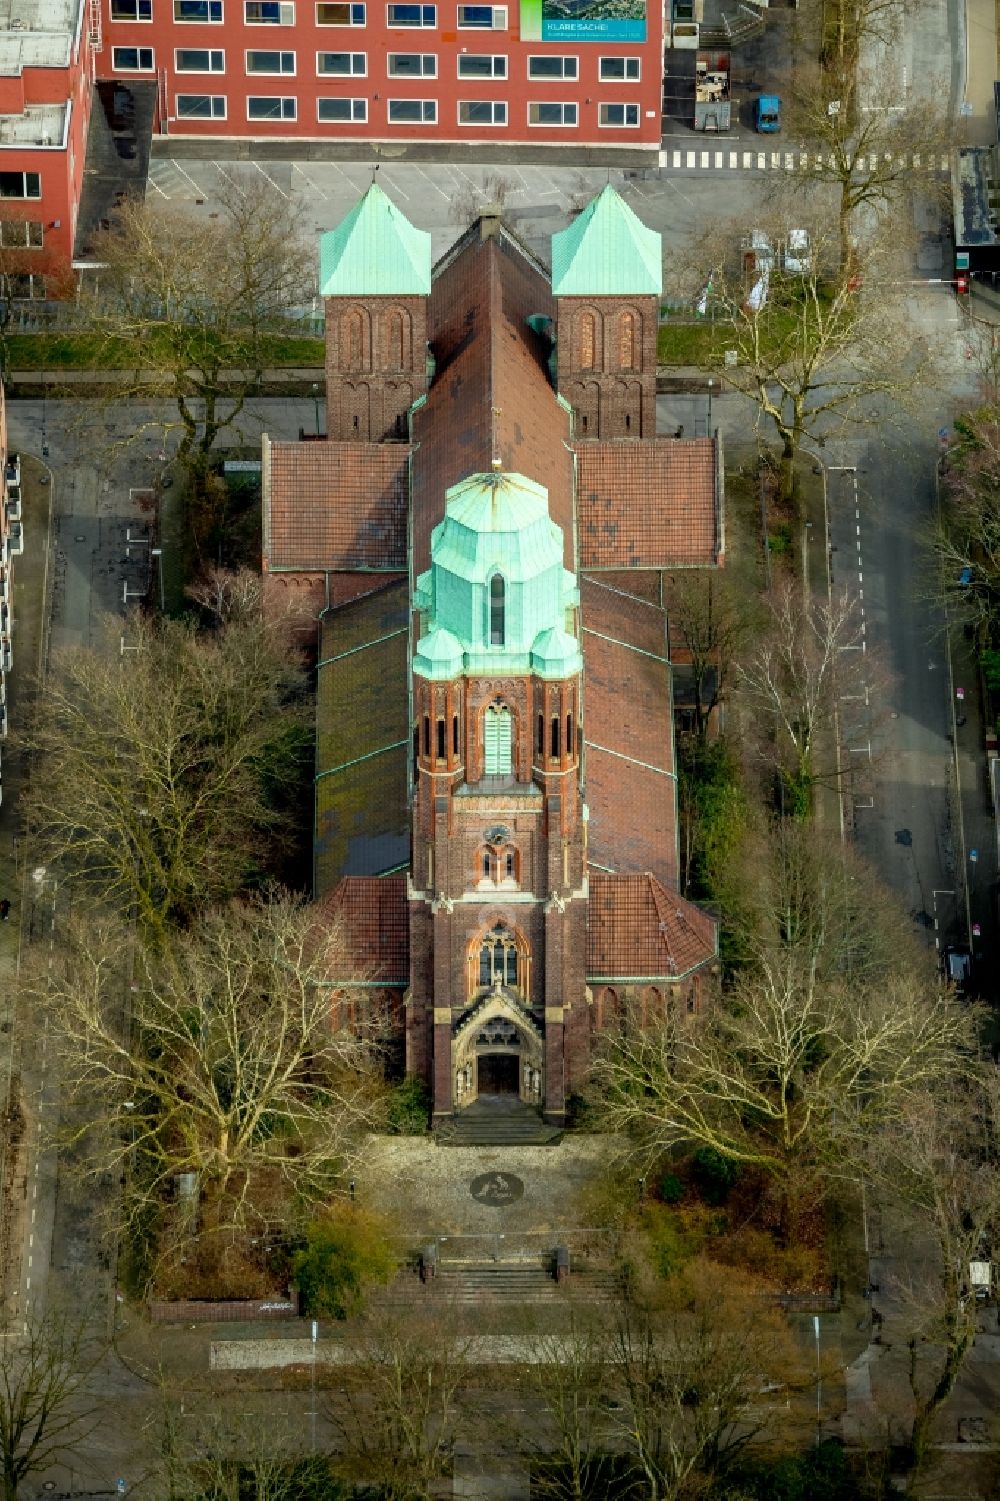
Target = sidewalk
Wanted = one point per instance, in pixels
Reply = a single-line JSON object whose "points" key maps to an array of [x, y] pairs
{"points": [[15, 883], [979, 827]]}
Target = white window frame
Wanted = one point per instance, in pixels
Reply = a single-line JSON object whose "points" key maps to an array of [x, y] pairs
{"points": [[208, 20], [493, 105], [213, 100], [422, 121], [563, 105], [285, 17], [361, 118], [424, 56], [281, 72], [24, 195], [497, 22], [494, 57], [623, 124], [22, 241], [352, 6], [564, 58], [420, 25], [282, 100], [352, 71], [626, 76], [210, 52], [139, 67], [131, 20]]}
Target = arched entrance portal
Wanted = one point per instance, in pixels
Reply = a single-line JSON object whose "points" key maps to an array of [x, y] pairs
{"points": [[497, 1051]]}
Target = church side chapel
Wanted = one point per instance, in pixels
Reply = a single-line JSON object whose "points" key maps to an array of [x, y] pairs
{"points": [[482, 538]]}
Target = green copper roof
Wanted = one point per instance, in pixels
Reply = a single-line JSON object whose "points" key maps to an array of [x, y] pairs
{"points": [[606, 252], [375, 252], [496, 585]]}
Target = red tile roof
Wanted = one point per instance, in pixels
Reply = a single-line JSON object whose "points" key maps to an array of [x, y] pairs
{"points": [[491, 395], [362, 821], [637, 930], [336, 507], [628, 734], [647, 504], [373, 920]]}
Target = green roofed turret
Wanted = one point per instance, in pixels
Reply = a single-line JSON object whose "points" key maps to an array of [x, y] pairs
{"points": [[607, 252], [375, 252], [497, 598]]}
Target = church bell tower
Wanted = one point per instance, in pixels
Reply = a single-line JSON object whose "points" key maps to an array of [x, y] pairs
{"points": [[498, 886]]}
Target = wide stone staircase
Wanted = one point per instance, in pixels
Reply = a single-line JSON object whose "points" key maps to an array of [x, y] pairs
{"points": [[498, 1120], [523, 1283]]}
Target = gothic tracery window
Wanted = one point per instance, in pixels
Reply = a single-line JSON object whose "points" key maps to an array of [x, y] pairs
{"points": [[498, 959]]}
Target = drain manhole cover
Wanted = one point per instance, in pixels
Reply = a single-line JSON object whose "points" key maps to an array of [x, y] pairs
{"points": [[496, 1188]]}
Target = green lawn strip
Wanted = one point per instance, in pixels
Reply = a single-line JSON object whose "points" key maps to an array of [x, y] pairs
{"points": [[87, 352]]}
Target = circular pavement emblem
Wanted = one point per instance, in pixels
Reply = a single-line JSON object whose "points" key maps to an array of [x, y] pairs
{"points": [[496, 1188]]}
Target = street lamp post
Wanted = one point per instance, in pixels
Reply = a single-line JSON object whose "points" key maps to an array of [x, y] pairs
{"points": [[711, 388], [315, 397]]}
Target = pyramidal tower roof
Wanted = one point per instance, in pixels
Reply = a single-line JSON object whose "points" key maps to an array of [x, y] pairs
{"points": [[607, 252], [375, 252]]}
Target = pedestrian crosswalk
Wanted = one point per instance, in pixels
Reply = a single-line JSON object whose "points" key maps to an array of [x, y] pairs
{"points": [[700, 160]]}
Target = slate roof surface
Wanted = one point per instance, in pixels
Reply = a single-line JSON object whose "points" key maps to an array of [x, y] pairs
{"points": [[337, 507], [491, 396], [628, 734], [607, 251], [375, 252], [647, 505], [636, 929], [362, 738], [373, 918]]}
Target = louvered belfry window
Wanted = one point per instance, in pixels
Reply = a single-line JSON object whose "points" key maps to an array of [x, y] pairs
{"points": [[498, 735], [497, 622]]}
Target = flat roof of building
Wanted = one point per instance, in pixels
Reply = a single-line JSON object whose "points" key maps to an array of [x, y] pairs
{"points": [[39, 125], [37, 33]]}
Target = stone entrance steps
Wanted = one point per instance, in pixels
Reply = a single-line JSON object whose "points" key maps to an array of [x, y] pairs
{"points": [[496, 1121], [505, 1282]]}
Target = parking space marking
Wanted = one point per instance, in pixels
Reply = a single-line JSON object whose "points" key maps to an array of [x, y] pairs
{"points": [[271, 180], [199, 192], [314, 186]]}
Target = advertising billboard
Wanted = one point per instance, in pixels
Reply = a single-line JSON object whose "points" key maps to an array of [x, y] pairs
{"points": [[583, 20]]}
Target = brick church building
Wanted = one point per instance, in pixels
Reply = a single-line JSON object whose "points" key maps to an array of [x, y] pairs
{"points": [[484, 537]]}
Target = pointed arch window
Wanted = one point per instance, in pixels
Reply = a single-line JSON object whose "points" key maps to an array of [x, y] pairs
{"points": [[498, 610], [498, 957], [498, 741]]}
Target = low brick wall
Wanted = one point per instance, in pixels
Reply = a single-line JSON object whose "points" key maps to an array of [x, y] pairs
{"points": [[231, 1311]]}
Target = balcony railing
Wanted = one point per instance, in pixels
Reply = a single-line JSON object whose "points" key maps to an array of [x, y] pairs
{"points": [[16, 538]]}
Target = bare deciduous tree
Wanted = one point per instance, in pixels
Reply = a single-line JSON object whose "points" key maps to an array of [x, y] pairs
{"points": [[239, 1057], [942, 1160], [965, 536], [691, 1358], [155, 768], [815, 347], [187, 306], [825, 1036], [44, 1411], [398, 1411], [871, 147], [809, 655]]}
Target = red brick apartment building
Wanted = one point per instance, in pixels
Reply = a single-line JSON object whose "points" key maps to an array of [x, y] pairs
{"points": [[544, 73], [47, 51]]}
